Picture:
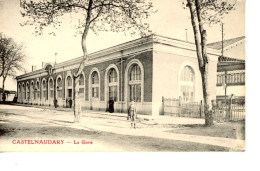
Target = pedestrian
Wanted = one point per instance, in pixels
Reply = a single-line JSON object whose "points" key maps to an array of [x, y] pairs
{"points": [[111, 105], [132, 114], [55, 103]]}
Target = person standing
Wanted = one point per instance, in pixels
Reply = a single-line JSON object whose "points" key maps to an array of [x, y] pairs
{"points": [[132, 114], [111, 106]]}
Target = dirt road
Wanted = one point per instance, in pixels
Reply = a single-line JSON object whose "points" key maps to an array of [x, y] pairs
{"points": [[22, 129]]}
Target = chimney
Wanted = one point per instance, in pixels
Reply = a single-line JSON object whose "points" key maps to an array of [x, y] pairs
{"points": [[34, 68]]}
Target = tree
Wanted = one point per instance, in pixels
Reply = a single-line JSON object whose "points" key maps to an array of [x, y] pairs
{"points": [[11, 58], [206, 12], [96, 15]]}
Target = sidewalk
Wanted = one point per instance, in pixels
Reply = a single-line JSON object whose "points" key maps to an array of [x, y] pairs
{"points": [[148, 127], [162, 119]]}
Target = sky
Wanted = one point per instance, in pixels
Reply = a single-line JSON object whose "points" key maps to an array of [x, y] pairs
{"points": [[170, 20]]}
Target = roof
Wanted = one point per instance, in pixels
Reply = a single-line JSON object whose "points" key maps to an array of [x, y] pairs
{"points": [[228, 59], [117, 51], [228, 42], [229, 64]]}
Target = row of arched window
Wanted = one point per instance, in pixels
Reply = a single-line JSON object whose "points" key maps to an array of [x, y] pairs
{"points": [[112, 83], [134, 83]]}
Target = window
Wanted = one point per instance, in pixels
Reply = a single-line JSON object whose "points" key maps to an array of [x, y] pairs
{"points": [[135, 92], [69, 81], [235, 77], [38, 89], [32, 91], [51, 88], [95, 92], [24, 92], [112, 76], [112, 84], [81, 86], [95, 84], [95, 79], [28, 90], [135, 83], [187, 84], [135, 73], [59, 88], [19, 91], [44, 89], [242, 77], [220, 79], [81, 93], [81, 79]]}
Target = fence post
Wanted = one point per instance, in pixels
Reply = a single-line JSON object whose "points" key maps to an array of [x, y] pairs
{"points": [[229, 111], [162, 105], [230, 108], [180, 105], [220, 111]]}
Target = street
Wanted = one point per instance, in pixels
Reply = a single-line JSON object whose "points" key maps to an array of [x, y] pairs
{"points": [[40, 129]]}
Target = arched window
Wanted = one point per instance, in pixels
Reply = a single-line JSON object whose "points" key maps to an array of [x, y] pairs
{"points": [[28, 90], [32, 91], [24, 92], [112, 84], [95, 84], [19, 92], [135, 73], [59, 87], [44, 89], [187, 84], [51, 88], [69, 88], [135, 83], [69, 81], [81, 79], [37, 89], [81, 86]]}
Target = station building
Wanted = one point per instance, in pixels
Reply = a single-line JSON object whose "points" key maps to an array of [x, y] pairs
{"points": [[144, 70]]}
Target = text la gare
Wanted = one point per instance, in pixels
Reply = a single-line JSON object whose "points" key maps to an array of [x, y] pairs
{"points": [[82, 142]]}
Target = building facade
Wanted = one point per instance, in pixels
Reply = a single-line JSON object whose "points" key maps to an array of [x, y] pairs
{"points": [[143, 70], [231, 68]]}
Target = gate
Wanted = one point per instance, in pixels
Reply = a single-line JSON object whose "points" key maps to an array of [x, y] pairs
{"points": [[174, 107]]}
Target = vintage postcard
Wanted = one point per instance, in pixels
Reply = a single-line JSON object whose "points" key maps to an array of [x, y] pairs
{"points": [[131, 76]]}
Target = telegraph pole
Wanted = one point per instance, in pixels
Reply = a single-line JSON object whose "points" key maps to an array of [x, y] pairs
{"points": [[222, 33], [222, 55]]}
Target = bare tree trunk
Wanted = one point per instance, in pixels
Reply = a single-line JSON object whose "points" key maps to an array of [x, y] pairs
{"points": [[206, 97], [204, 73], [196, 32], [3, 95], [77, 106], [200, 42]]}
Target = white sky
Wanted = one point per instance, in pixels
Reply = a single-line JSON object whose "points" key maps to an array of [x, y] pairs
{"points": [[170, 20]]}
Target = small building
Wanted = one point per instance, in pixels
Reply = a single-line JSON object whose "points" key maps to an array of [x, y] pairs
{"points": [[231, 69], [144, 70]]}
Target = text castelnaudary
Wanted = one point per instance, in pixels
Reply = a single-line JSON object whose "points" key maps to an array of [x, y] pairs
{"points": [[38, 141]]}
